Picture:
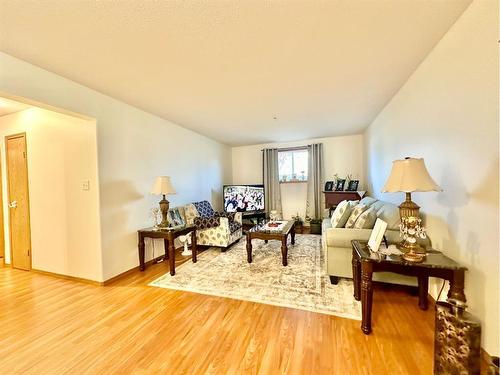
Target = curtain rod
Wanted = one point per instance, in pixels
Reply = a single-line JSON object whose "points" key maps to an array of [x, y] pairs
{"points": [[288, 148]]}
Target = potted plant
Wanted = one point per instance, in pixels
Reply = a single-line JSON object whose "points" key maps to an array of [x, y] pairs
{"points": [[315, 226]]}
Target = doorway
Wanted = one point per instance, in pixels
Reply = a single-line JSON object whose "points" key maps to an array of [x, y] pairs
{"points": [[18, 201]]}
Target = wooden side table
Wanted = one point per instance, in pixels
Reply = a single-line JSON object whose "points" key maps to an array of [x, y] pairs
{"points": [[366, 262], [169, 236]]}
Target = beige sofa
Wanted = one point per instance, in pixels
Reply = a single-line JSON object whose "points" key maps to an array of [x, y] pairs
{"points": [[336, 244]]}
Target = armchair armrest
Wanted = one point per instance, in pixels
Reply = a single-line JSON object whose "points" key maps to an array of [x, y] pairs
{"points": [[224, 223]]}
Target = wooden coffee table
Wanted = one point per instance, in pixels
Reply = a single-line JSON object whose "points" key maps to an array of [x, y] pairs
{"points": [[263, 233]]}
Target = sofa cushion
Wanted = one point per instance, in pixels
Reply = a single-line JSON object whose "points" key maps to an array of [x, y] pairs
{"points": [[204, 209], [341, 214], [378, 205], [356, 211], [390, 214], [368, 201], [234, 226], [366, 220]]}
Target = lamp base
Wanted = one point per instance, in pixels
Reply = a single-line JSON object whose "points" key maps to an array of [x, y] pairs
{"points": [[164, 206], [412, 252], [409, 208]]}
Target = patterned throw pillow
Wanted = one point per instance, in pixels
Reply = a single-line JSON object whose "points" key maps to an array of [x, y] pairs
{"points": [[341, 214], [358, 210], [366, 220], [190, 213], [204, 209]]}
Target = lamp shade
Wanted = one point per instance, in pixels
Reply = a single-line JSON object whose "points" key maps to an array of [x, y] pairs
{"points": [[409, 175], [162, 186]]}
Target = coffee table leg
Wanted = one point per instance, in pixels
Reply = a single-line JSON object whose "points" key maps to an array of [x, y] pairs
{"points": [[249, 249], [366, 296], [193, 247], [292, 233], [171, 255], [266, 241], [423, 289], [356, 276], [284, 251], [141, 250]]}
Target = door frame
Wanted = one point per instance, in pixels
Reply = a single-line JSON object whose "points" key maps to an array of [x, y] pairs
{"points": [[14, 136], [2, 222]]}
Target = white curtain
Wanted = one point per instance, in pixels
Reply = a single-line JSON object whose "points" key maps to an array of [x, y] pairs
{"points": [[314, 207], [272, 190]]}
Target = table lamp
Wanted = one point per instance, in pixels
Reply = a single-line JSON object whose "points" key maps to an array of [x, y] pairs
{"points": [[163, 186], [410, 175]]}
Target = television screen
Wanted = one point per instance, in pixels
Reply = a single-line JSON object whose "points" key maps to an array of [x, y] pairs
{"points": [[243, 198]]}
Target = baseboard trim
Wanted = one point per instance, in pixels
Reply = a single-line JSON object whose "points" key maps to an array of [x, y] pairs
{"points": [[67, 277], [132, 270]]}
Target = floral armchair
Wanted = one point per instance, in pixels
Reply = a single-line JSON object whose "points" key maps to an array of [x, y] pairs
{"points": [[219, 229]]}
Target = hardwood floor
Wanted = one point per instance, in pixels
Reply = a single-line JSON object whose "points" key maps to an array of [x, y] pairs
{"points": [[56, 326]]}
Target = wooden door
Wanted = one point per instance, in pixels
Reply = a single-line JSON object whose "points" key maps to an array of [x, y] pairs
{"points": [[19, 215]]}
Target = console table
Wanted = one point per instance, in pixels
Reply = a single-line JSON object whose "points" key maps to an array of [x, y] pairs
{"points": [[169, 236], [435, 264], [333, 198]]}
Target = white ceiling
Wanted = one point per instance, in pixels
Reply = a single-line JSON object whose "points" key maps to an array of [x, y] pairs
{"points": [[227, 68], [8, 106]]}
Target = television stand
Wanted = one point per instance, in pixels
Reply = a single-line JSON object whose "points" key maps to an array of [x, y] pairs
{"points": [[251, 219]]}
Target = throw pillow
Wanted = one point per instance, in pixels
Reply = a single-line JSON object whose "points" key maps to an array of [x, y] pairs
{"points": [[341, 214], [204, 209], [366, 220], [191, 213], [356, 211]]}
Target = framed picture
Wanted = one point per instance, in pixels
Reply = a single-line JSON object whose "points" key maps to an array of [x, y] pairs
{"points": [[329, 186], [174, 218], [340, 185], [377, 235], [353, 185]]}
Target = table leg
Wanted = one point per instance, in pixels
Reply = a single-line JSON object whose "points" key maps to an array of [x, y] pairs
{"points": [[249, 248], [366, 296], [141, 248], [456, 291], [356, 276], [165, 243], [284, 251], [266, 241], [171, 255], [292, 233], [423, 290], [194, 248]]}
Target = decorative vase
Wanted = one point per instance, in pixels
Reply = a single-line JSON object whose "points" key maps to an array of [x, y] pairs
{"points": [[457, 340]]}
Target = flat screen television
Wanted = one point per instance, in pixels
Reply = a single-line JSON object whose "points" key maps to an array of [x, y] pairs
{"points": [[243, 198]]}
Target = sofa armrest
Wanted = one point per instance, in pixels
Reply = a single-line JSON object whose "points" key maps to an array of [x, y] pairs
{"points": [[342, 237]]}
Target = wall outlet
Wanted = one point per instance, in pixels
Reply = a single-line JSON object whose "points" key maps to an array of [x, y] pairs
{"points": [[86, 185]]}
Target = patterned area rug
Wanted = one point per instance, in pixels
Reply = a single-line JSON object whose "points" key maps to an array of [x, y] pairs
{"points": [[303, 284]]}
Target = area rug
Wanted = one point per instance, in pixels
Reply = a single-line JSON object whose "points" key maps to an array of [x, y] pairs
{"points": [[303, 284]]}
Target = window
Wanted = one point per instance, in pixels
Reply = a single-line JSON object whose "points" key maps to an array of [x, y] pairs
{"points": [[293, 165]]}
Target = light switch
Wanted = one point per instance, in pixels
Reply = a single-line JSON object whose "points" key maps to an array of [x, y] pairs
{"points": [[86, 185]]}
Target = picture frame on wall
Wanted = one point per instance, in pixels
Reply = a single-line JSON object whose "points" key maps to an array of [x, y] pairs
{"points": [[329, 186], [353, 185], [340, 185]]}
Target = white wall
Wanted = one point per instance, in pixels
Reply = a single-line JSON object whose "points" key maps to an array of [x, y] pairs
{"points": [[62, 154], [133, 148], [342, 155], [447, 113]]}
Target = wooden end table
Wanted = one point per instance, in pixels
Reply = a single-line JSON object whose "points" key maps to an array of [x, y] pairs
{"points": [[169, 236], [261, 232], [365, 262]]}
